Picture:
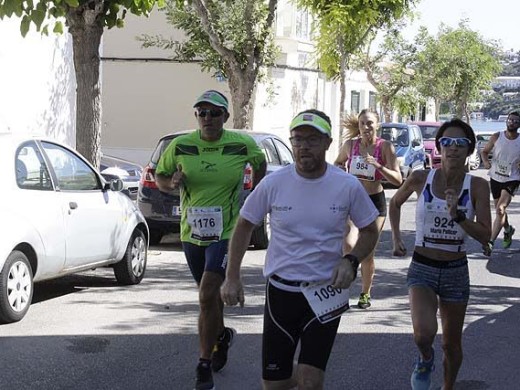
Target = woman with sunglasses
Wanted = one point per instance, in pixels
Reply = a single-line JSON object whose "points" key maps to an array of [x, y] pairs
{"points": [[451, 204], [371, 159]]}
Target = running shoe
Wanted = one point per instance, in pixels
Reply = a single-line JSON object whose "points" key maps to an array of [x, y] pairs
{"points": [[488, 248], [422, 373], [508, 236], [220, 351], [204, 379], [364, 301]]}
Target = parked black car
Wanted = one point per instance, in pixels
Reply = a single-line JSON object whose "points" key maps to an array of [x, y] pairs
{"points": [[162, 210]]}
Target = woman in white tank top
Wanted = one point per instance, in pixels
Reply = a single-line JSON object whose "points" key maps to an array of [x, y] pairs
{"points": [[451, 205]]}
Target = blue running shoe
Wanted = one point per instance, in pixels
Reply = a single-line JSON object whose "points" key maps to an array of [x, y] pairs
{"points": [[422, 374]]}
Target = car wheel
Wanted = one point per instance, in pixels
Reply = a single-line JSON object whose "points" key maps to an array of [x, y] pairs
{"points": [[262, 234], [16, 287], [131, 268], [155, 237]]}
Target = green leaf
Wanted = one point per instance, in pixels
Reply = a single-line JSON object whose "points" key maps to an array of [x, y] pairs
{"points": [[38, 17], [58, 28], [72, 3], [24, 25]]}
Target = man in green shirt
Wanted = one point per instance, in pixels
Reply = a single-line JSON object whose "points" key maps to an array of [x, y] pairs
{"points": [[208, 166]]}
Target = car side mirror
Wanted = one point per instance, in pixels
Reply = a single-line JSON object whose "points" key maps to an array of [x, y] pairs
{"points": [[116, 185]]}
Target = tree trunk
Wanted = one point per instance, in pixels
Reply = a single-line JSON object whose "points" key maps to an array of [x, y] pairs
{"points": [[343, 92], [437, 109], [387, 110], [242, 86], [86, 30]]}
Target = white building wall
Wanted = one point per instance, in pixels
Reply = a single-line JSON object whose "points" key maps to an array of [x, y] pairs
{"points": [[37, 83]]}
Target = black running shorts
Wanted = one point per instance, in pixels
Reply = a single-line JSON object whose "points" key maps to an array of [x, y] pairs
{"points": [[509, 186], [288, 319]]}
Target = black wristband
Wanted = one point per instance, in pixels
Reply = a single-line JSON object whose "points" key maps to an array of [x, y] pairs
{"points": [[460, 217], [354, 262]]}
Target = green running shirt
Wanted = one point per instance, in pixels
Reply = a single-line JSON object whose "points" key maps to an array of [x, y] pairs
{"points": [[214, 174]]}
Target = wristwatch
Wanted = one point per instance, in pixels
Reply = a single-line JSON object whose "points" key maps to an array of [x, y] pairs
{"points": [[354, 262], [460, 217]]}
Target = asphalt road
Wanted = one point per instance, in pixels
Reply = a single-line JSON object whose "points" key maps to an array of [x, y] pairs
{"points": [[85, 332]]}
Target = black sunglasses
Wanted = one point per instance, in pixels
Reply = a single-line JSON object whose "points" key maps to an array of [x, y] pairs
{"points": [[212, 113]]}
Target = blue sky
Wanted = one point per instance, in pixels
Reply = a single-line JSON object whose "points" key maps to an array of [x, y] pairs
{"points": [[496, 19]]}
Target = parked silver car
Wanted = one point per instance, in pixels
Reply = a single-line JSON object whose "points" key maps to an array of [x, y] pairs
{"points": [[482, 139], [129, 173], [162, 210]]}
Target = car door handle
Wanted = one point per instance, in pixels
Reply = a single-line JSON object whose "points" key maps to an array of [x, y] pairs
{"points": [[73, 205]]}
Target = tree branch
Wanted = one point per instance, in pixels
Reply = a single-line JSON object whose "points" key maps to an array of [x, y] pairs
{"points": [[216, 43]]}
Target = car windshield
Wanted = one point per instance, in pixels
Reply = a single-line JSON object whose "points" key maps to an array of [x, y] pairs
{"points": [[429, 132], [163, 144], [397, 135]]}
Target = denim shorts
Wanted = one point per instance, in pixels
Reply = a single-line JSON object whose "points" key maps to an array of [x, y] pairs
{"points": [[448, 279]]}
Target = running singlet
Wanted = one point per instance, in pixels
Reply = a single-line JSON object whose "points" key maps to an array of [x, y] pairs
{"points": [[506, 159], [361, 169], [435, 228], [214, 173]]}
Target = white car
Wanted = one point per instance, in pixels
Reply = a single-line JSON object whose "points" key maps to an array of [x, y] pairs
{"points": [[60, 216]]}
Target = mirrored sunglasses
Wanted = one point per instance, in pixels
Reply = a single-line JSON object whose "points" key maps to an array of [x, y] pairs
{"points": [[212, 113], [462, 142]]}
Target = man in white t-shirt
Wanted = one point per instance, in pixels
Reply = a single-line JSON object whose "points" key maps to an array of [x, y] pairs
{"points": [[504, 173], [309, 203]]}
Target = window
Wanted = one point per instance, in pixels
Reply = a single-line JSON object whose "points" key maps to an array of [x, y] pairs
{"points": [[354, 102], [372, 101], [73, 173], [303, 26], [31, 170], [269, 150], [285, 154]]}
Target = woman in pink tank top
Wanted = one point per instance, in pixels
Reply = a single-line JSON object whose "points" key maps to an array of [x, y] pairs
{"points": [[372, 160]]}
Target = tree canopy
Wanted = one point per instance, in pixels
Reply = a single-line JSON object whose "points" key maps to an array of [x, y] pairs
{"points": [[232, 39], [391, 71], [344, 26], [456, 65]]}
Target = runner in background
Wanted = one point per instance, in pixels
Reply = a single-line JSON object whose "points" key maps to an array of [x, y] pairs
{"points": [[371, 159], [504, 172]]}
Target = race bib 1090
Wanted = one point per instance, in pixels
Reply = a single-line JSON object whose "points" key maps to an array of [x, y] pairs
{"points": [[326, 301]]}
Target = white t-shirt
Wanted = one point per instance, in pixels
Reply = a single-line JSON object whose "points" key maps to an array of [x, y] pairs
{"points": [[308, 220]]}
